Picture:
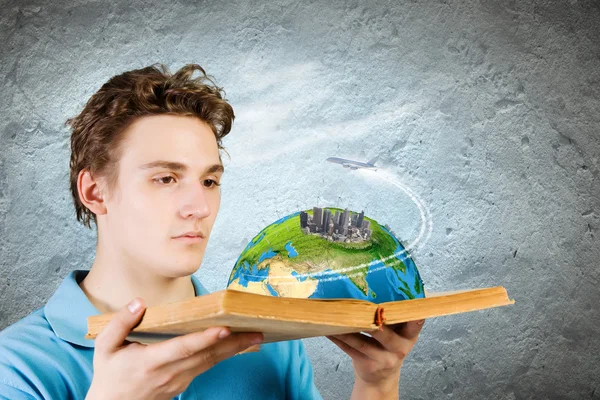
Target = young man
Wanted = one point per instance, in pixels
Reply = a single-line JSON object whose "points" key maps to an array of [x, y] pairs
{"points": [[146, 169]]}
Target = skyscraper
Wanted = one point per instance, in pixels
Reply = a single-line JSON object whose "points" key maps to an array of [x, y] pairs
{"points": [[344, 222], [303, 219], [326, 219], [318, 218], [360, 219]]}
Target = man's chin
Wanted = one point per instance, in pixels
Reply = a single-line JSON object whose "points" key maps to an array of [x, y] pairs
{"points": [[183, 266], [178, 271]]}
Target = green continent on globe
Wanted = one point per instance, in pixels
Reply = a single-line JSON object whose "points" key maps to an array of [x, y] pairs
{"points": [[327, 255]]}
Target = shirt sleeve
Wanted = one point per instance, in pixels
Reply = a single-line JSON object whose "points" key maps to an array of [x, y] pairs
{"points": [[8, 392], [301, 385]]}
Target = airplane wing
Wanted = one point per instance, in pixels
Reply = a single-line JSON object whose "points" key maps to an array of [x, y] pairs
{"points": [[372, 162]]}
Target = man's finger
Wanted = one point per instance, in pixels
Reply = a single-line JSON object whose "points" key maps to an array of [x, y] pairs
{"points": [[399, 338], [185, 346], [368, 346], [210, 356], [351, 351], [114, 333]]}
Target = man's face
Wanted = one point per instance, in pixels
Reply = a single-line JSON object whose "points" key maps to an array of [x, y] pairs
{"points": [[167, 186]]}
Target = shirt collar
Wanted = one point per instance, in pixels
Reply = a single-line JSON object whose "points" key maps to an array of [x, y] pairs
{"points": [[68, 308]]}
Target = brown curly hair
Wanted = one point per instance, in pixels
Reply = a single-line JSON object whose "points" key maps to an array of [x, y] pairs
{"points": [[98, 130]]}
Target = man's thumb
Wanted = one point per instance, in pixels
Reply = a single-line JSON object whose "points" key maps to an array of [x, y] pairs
{"points": [[114, 333]]}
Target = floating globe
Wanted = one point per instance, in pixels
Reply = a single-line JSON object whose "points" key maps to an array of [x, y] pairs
{"points": [[327, 253]]}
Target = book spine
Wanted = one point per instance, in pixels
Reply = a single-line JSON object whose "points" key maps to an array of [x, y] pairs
{"points": [[379, 318]]}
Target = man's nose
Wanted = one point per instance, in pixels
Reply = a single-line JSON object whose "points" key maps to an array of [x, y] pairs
{"points": [[196, 202]]}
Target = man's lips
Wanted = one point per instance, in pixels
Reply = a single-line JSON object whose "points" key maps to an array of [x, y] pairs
{"points": [[191, 234], [189, 239]]}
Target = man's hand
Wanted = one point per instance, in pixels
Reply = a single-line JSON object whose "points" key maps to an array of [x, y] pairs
{"points": [[377, 360], [124, 370]]}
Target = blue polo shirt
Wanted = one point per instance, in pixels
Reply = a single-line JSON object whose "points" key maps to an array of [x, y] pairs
{"points": [[45, 356]]}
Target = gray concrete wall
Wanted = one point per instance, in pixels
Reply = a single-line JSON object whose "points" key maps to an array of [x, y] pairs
{"points": [[488, 110]]}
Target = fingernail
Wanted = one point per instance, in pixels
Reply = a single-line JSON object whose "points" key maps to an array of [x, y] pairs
{"points": [[421, 322], [134, 306], [224, 333], [256, 340]]}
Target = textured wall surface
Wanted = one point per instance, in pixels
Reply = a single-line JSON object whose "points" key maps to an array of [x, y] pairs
{"points": [[488, 110]]}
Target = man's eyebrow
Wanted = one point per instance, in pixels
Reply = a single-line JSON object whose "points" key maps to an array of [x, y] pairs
{"points": [[215, 168], [177, 166]]}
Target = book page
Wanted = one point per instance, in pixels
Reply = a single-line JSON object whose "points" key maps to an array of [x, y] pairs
{"points": [[444, 303]]}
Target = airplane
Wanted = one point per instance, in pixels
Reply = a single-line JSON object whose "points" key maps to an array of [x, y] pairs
{"points": [[354, 164]]}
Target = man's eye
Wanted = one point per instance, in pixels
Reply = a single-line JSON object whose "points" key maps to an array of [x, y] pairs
{"points": [[211, 183], [162, 180]]}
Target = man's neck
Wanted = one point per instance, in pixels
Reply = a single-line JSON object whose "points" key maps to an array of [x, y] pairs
{"points": [[110, 285]]}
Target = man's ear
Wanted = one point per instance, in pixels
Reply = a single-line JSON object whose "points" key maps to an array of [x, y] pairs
{"points": [[90, 192]]}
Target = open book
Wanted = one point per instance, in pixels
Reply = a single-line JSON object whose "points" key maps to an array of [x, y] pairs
{"points": [[284, 318]]}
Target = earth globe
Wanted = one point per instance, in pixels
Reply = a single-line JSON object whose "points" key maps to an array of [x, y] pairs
{"points": [[327, 253]]}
